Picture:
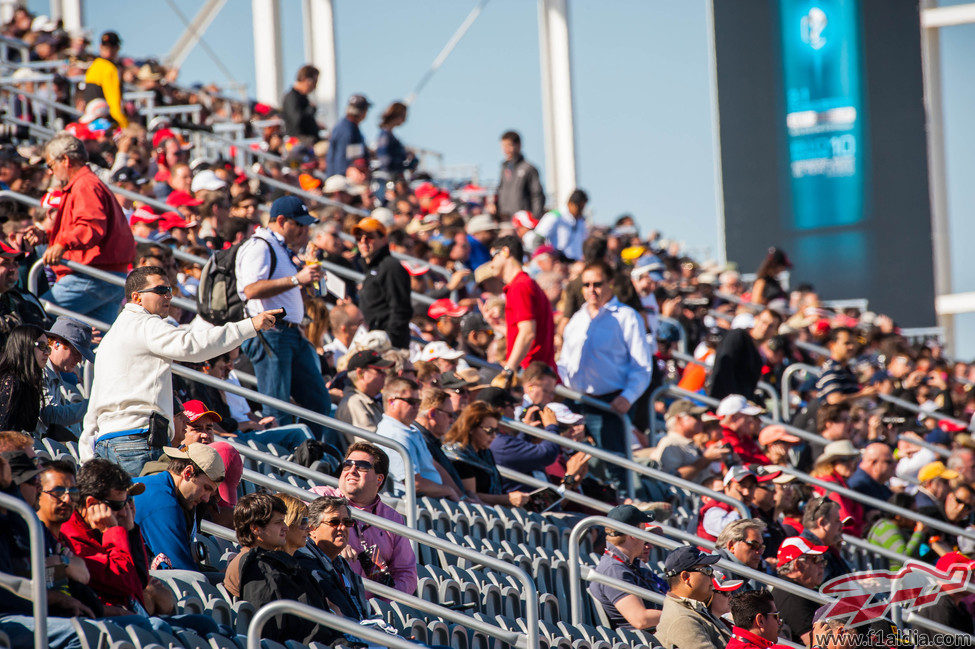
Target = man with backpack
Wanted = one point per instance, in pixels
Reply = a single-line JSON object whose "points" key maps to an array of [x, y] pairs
{"points": [[268, 277]]}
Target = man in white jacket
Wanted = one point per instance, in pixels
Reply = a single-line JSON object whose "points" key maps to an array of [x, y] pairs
{"points": [[130, 412]]}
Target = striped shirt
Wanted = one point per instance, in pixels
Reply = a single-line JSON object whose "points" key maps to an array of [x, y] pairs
{"points": [[887, 535], [836, 377]]}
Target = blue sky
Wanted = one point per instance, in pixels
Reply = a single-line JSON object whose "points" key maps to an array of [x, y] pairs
{"points": [[640, 81]]}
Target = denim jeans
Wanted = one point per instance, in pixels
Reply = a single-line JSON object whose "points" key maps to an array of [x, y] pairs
{"points": [[609, 434], [131, 452], [88, 296], [287, 437], [291, 370]]}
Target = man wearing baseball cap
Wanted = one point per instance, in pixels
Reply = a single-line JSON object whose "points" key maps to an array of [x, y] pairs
{"points": [[715, 515], [801, 562], [165, 510], [103, 80], [676, 451], [385, 295], [686, 622], [447, 314], [345, 142], [740, 426], [621, 560], [475, 335], [363, 407], [268, 278]]}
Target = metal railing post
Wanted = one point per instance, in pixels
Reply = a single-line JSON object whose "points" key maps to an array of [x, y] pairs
{"points": [[337, 622], [38, 573], [786, 381]]}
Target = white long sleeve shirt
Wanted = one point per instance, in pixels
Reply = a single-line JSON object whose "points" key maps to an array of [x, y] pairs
{"points": [[133, 369], [607, 353], [564, 232], [254, 265]]}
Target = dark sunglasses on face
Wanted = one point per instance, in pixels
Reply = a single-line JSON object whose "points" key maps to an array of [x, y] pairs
{"points": [[158, 290], [117, 505], [362, 465], [755, 545], [413, 401], [61, 492], [43, 345], [335, 522], [490, 431], [708, 571]]}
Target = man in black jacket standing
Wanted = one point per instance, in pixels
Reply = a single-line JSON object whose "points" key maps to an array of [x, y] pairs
{"points": [[737, 361], [385, 294], [519, 187], [297, 111]]}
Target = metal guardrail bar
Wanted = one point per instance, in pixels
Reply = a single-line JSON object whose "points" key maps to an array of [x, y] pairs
{"points": [[877, 504], [913, 407], [811, 347], [636, 467], [388, 592], [773, 397], [284, 406], [38, 574], [330, 620], [281, 463], [776, 582], [5, 86], [787, 374], [530, 592], [856, 542], [567, 494]]}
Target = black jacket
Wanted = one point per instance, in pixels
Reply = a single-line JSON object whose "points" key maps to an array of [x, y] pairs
{"points": [[299, 115], [385, 297], [330, 575], [519, 188], [267, 576], [737, 366]]}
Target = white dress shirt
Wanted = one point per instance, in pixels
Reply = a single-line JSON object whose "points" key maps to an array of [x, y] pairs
{"points": [[607, 353], [254, 264], [564, 232]]}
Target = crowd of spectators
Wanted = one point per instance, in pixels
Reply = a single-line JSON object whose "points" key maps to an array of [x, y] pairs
{"points": [[526, 296]]}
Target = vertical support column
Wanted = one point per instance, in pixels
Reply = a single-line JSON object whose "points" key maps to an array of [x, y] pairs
{"points": [[556, 68], [72, 14], [320, 52], [267, 50], [937, 185]]}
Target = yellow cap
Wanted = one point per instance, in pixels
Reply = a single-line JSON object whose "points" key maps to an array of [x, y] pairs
{"points": [[935, 470]]}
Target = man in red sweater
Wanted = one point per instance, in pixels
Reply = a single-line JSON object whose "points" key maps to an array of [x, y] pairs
{"points": [[102, 531], [740, 426], [756, 619], [89, 228]]}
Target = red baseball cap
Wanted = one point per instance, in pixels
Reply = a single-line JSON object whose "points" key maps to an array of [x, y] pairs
{"points": [[10, 252], [725, 585], [52, 199], [446, 307], [196, 410], [170, 220], [81, 131], [144, 214], [233, 470], [524, 219], [954, 559], [795, 547], [182, 199], [415, 270]]}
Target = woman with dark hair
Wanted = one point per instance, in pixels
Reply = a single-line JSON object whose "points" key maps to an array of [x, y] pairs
{"points": [[767, 286], [22, 378], [394, 159], [467, 444]]}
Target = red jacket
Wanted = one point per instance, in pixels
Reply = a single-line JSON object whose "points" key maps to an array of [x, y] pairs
{"points": [[92, 226], [745, 639], [113, 572], [710, 504], [745, 447], [851, 512]]}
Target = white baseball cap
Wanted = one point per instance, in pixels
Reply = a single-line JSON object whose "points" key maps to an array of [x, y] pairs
{"points": [[439, 349], [735, 404], [563, 415], [207, 180]]}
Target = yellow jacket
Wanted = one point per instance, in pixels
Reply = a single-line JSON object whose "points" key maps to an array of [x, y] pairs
{"points": [[104, 74]]}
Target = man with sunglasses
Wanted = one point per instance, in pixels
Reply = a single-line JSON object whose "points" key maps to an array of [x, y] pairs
{"points": [[373, 552], [606, 355], [130, 413], [385, 294], [102, 531], [363, 407], [268, 279], [685, 620], [434, 419], [802, 563], [757, 622]]}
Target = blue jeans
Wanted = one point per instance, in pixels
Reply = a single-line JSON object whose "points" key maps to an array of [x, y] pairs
{"points": [[607, 431], [131, 452], [291, 369], [88, 296], [287, 437]]}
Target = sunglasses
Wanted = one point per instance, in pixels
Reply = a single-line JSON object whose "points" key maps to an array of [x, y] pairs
{"points": [[61, 492], [707, 571], [117, 505], [490, 431], [366, 235], [158, 290], [448, 415], [755, 545], [335, 522], [815, 560], [43, 345], [413, 401], [361, 465]]}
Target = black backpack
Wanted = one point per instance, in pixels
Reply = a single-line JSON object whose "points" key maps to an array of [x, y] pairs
{"points": [[217, 298]]}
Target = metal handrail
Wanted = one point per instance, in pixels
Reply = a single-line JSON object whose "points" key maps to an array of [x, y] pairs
{"points": [[857, 542], [280, 463], [741, 569], [388, 592], [877, 503], [38, 574], [530, 592], [636, 467], [5, 86], [937, 414], [567, 494], [284, 406], [332, 621], [791, 369]]}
